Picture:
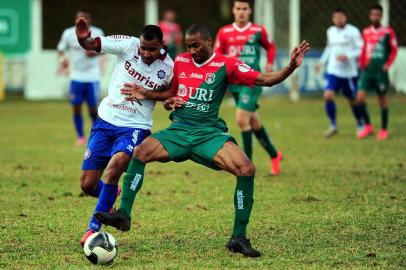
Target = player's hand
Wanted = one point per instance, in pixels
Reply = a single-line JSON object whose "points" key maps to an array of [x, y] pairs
{"points": [[318, 67], [298, 53], [268, 68], [173, 102], [82, 28], [133, 92], [342, 58]]}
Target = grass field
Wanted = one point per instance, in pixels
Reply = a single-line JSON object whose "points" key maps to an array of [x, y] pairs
{"points": [[339, 203]]}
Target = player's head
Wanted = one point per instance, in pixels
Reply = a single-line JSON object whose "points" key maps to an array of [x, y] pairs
{"points": [[198, 42], [339, 17], [375, 14], [169, 15], [151, 43], [84, 13], [242, 11]]}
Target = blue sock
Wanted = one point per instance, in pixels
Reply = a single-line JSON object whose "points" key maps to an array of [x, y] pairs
{"points": [[357, 114], [97, 189], [331, 112], [78, 121], [106, 201]]}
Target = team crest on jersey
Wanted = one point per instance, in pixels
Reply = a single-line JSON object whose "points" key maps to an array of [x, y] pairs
{"points": [[210, 77], [87, 154], [161, 74]]}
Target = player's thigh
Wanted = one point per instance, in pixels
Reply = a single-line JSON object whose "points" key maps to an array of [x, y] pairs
{"points": [[92, 93], [382, 84], [76, 93], [231, 158], [165, 145], [349, 87], [116, 166], [248, 98], [98, 151]]}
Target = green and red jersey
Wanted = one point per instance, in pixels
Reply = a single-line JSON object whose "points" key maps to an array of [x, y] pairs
{"points": [[379, 48], [202, 86], [245, 43]]}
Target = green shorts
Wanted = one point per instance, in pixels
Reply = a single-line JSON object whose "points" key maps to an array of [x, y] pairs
{"points": [[374, 82], [246, 98], [199, 143]]}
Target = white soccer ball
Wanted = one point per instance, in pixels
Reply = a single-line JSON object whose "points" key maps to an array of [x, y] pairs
{"points": [[100, 248]]}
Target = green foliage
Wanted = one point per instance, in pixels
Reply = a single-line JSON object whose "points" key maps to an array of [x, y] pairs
{"points": [[339, 203]]}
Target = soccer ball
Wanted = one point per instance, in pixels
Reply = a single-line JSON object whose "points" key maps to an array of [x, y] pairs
{"points": [[100, 248]]}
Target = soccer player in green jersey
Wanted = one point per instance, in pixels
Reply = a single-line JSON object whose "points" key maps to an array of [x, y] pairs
{"points": [[243, 40], [197, 133], [377, 56]]}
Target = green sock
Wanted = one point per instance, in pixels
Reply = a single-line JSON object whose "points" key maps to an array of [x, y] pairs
{"points": [[243, 201], [364, 111], [385, 117], [264, 140], [247, 142], [132, 184]]}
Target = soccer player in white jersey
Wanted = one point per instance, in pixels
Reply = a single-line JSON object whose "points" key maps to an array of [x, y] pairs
{"points": [[122, 125], [343, 48], [84, 68]]}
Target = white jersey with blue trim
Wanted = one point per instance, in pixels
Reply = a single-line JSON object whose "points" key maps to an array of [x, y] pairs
{"points": [[82, 67], [342, 41], [131, 69]]}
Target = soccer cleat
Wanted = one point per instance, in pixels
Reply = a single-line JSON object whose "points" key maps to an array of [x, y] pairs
{"points": [[85, 236], [383, 134], [117, 219], [242, 245], [330, 132], [366, 131], [80, 141], [275, 166]]}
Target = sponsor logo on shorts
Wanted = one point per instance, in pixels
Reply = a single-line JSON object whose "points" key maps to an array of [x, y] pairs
{"points": [[87, 154], [245, 98], [130, 148], [240, 200], [135, 181]]}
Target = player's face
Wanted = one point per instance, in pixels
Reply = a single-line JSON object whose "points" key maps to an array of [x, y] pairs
{"points": [[339, 19], [150, 50], [83, 14], [375, 15], [198, 47], [242, 12]]}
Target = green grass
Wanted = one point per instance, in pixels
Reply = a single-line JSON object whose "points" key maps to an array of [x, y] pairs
{"points": [[339, 203]]}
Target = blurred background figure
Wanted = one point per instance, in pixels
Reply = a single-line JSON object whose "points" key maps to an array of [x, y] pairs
{"points": [[84, 68], [173, 36], [340, 55]]}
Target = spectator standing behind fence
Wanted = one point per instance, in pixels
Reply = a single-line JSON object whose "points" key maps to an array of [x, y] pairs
{"points": [[173, 36]]}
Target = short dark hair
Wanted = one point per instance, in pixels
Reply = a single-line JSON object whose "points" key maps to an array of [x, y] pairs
{"points": [[376, 7], [244, 1], [199, 28], [339, 10], [151, 32]]}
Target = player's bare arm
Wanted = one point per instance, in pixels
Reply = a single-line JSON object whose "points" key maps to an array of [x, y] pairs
{"points": [[83, 34], [137, 92], [296, 59]]}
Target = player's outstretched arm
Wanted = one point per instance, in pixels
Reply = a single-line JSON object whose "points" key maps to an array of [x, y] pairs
{"points": [[137, 92], [296, 59], [83, 35]]}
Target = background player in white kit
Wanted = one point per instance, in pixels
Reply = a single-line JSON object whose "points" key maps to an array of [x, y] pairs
{"points": [[344, 44], [122, 125], [84, 68]]}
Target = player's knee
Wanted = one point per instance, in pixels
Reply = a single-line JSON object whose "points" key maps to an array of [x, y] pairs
{"points": [[243, 122], [247, 169], [112, 176], [141, 153], [328, 95], [87, 184]]}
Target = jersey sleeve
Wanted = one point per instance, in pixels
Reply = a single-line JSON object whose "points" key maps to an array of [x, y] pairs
{"points": [[116, 45], [220, 45], [268, 45], [241, 73], [63, 43], [362, 57], [393, 44]]}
